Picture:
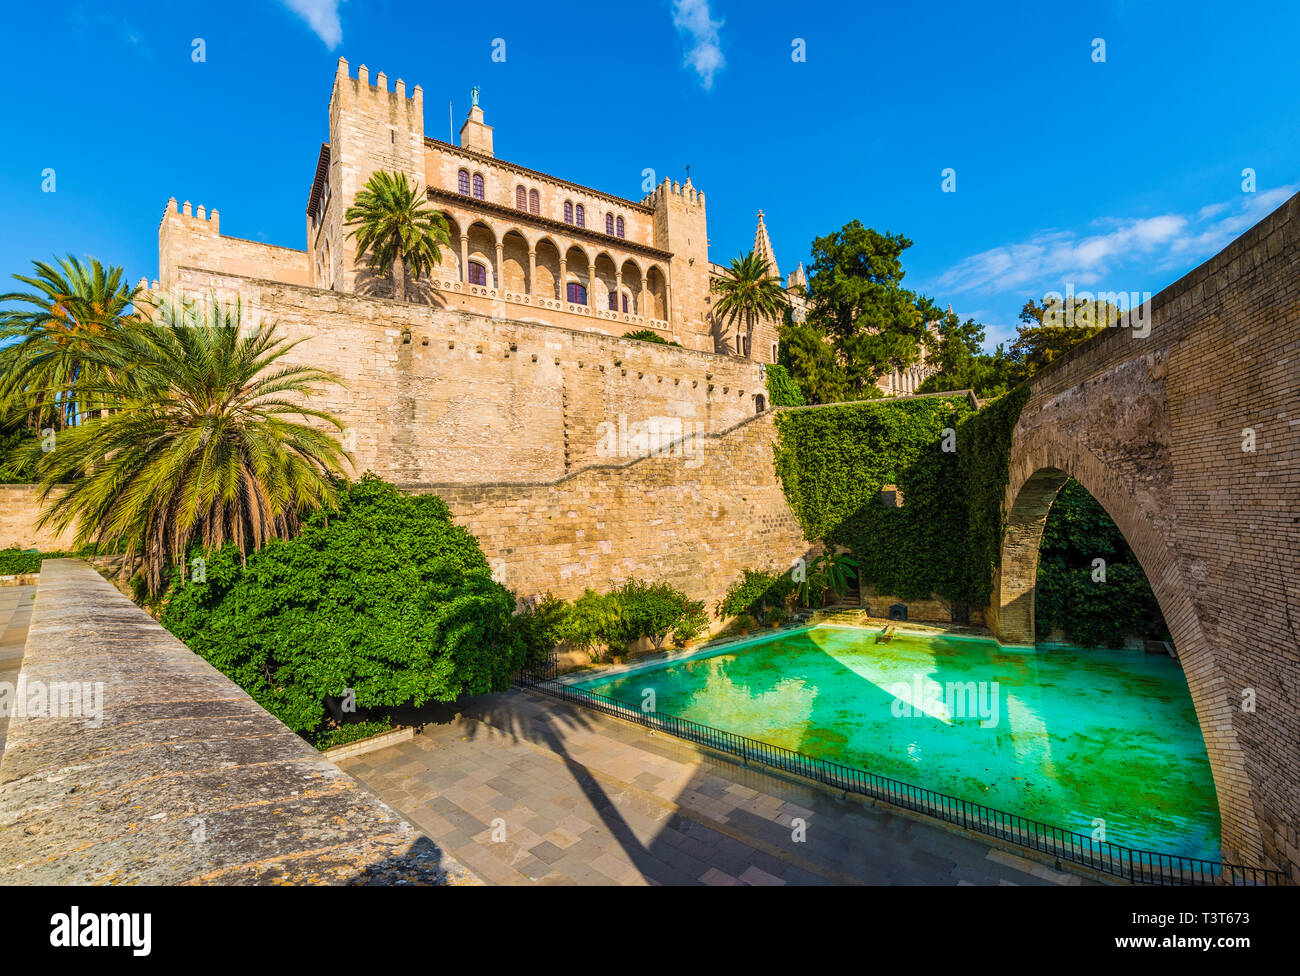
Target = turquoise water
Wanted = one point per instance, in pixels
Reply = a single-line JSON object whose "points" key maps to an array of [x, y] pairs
{"points": [[1063, 735]]}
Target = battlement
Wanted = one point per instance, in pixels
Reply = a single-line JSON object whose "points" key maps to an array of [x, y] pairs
{"points": [[363, 86], [185, 211], [670, 189], [187, 234]]}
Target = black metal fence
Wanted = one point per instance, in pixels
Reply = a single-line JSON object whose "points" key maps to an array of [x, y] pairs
{"points": [[1137, 866]]}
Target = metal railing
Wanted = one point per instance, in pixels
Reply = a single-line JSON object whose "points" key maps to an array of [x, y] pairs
{"points": [[1116, 860]]}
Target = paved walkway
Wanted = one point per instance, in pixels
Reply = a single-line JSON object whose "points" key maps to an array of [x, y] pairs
{"points": [[15, 616], [523, 789]]}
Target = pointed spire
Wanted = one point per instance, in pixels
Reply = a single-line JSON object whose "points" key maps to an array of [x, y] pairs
{"points": [[763, 246]]}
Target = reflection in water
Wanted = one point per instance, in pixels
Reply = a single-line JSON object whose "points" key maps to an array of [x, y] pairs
{"points": [[1065, 736]]}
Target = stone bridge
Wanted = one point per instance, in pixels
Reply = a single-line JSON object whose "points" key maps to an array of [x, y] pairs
{"points": [[1190, 439]]}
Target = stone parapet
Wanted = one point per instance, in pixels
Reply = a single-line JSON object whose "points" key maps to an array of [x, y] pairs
{"points": [[169, 773]]}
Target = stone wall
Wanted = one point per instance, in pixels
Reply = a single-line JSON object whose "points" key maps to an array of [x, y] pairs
{"points": [[694, 521], [194, 237], [434, 395], [20, 507], [175, 776], [1156, 428]]}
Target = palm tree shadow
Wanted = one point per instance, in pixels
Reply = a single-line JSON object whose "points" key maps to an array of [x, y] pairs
{"points": [[419, 864], [548, 728]]}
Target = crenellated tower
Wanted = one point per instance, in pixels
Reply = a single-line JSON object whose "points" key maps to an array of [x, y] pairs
{"points": [[681, 226], [371, 128]]}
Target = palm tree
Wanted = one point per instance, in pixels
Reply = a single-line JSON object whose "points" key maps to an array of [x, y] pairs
{"points": [[749, 292], [44, 375], [194, 445], [396, 229]]}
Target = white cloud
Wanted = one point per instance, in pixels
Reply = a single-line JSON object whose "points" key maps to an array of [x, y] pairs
{"points": [[322, 17], [1049, 259], [694, 21]]}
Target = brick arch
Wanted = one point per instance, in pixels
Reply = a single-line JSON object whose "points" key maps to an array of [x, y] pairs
{"points": [[1046, 451]]}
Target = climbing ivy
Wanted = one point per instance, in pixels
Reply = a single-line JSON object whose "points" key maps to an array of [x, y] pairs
{"points": [[950, 464], [782, 391]]}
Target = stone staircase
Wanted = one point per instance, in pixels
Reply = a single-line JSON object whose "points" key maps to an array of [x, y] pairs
{"points": [[847, 616]]}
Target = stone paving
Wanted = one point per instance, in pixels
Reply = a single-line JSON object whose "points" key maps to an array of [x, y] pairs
{"points": [[15, 616], [523, 789]]}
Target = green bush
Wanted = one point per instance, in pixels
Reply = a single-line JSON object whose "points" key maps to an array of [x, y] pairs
{"points": [[755, 589], [649, 335], [589, 623], [782, 391], [694, 622], [385, 596], [14, 562], [650, 610], [540, 625], [352, 732]]}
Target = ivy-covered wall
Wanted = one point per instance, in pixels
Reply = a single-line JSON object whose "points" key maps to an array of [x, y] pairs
{"points": [[948, 461]]}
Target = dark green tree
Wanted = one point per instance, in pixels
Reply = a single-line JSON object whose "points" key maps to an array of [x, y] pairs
{"points": [[857, 299]]}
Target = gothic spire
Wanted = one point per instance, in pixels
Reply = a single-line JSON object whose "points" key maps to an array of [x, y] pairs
{"points": [[763, 247]]}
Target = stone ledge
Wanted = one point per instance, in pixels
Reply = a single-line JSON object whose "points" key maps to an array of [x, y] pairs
{"points": [[372, 744], [184, 779]]}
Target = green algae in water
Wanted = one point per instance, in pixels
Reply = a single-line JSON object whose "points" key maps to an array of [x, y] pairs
{"points": [[1080, 735]]}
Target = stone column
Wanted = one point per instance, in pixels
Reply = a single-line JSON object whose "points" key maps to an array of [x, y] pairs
{"points": [[532, 272], [498, 276], [464, 257], [618, 290], [564, 282]]}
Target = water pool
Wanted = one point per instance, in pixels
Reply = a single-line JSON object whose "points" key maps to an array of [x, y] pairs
{"points": [[1062, 735]]}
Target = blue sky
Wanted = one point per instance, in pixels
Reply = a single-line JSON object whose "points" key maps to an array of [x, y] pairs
{"points": [[1118, 175]]}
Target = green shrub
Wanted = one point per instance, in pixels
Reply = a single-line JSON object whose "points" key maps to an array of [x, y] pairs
{"points": [[14, 562], [589, 623], [755, 589], [650, 610], [782, 391], [385, 596], [694, 622], [352, 732], [540, 625], [649, 335]]}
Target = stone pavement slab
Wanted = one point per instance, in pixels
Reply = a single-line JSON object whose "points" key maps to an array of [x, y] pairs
{"points": [[524, 790]]}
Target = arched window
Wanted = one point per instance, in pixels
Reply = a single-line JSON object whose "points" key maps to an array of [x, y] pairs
{"points": [[576, 293], [613, 301], [568, 211], [477, 274], [478, 186], [609, 224], [774, 352], [581, 216], [624, 303], [521, 197], [534, 202], [620, 226], [462, 181]]}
